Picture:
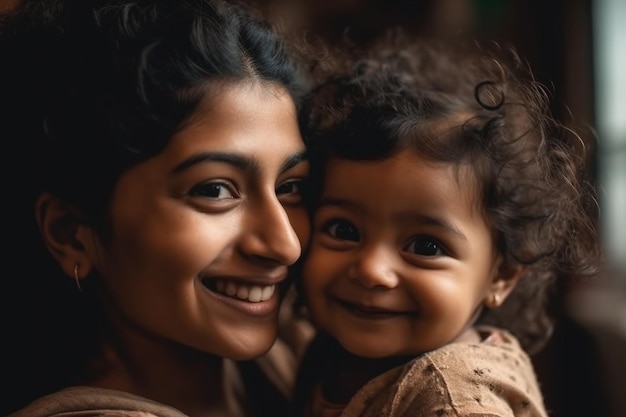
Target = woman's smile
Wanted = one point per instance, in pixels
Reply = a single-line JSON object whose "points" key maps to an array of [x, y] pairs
{"points": [[257, 296], [263, 309]]}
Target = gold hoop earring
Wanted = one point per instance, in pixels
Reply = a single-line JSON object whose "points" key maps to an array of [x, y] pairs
{"points": [[76, 278]]}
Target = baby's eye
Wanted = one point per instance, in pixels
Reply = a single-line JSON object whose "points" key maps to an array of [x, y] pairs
{"points": [[342, 229], [425, 246], [215, 190], [290, 190]]}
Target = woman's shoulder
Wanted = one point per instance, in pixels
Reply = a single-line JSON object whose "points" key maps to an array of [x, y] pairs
{"points": [[83, 401]]}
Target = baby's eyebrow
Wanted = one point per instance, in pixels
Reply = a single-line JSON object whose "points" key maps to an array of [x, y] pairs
{"points": [[418, 218], [342, 203], [440, 222]]}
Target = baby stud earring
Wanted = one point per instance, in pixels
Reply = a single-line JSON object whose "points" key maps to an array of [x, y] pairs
{"points": [[494, 300]]}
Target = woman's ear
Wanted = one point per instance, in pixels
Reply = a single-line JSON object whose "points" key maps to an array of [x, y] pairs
{"points": [[64, 233], [503, 284]]}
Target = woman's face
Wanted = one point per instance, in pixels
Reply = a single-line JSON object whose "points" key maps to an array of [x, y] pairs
{"points": [[203, 233]]}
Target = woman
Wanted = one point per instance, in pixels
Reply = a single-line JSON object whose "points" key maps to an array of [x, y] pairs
{"points": [[160, 167]]}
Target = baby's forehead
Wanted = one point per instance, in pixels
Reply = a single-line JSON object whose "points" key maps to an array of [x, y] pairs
{"points": [[405, 182]]}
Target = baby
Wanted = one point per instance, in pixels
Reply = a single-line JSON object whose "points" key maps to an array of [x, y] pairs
{"points": [[448, 203]]}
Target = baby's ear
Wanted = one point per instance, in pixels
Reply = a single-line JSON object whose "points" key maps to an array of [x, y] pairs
{"points": [[64, 233], [503, 284]]}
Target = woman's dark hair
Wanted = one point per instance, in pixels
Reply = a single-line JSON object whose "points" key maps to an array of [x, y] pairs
{"points": [[88, 89], [480, 111]]}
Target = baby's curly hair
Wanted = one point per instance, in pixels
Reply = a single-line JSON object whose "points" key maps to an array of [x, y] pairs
{"points": [[479, 109]]}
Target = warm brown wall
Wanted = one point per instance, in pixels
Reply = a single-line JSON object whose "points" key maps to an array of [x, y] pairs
{"points": [[8, 4]]}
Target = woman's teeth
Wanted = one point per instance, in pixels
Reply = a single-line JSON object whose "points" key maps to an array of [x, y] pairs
{"points": [[251, 293]]}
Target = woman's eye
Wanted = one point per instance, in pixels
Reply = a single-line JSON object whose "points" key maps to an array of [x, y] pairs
{"points": [[215, 190], [341, 229], [291, 189], [425, 246]]}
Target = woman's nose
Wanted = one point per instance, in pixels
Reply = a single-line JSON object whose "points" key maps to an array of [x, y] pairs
{"points": [[270, 235], [373, 267]]}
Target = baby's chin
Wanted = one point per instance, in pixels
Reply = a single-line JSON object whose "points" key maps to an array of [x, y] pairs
{"points": [[377, 349]]}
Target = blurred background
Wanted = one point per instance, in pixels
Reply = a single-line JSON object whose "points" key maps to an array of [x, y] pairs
{"points": [[578, 49]]}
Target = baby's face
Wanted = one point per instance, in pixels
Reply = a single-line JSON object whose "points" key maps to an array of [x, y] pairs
{"points": [[401, 257]]}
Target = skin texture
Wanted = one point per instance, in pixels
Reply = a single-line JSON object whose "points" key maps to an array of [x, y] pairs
{"points": [[216, 205], [401, 259]]}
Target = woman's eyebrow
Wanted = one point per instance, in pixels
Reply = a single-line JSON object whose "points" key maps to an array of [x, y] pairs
{"points": [[293, 160], [239, 161], [242, 162]]}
